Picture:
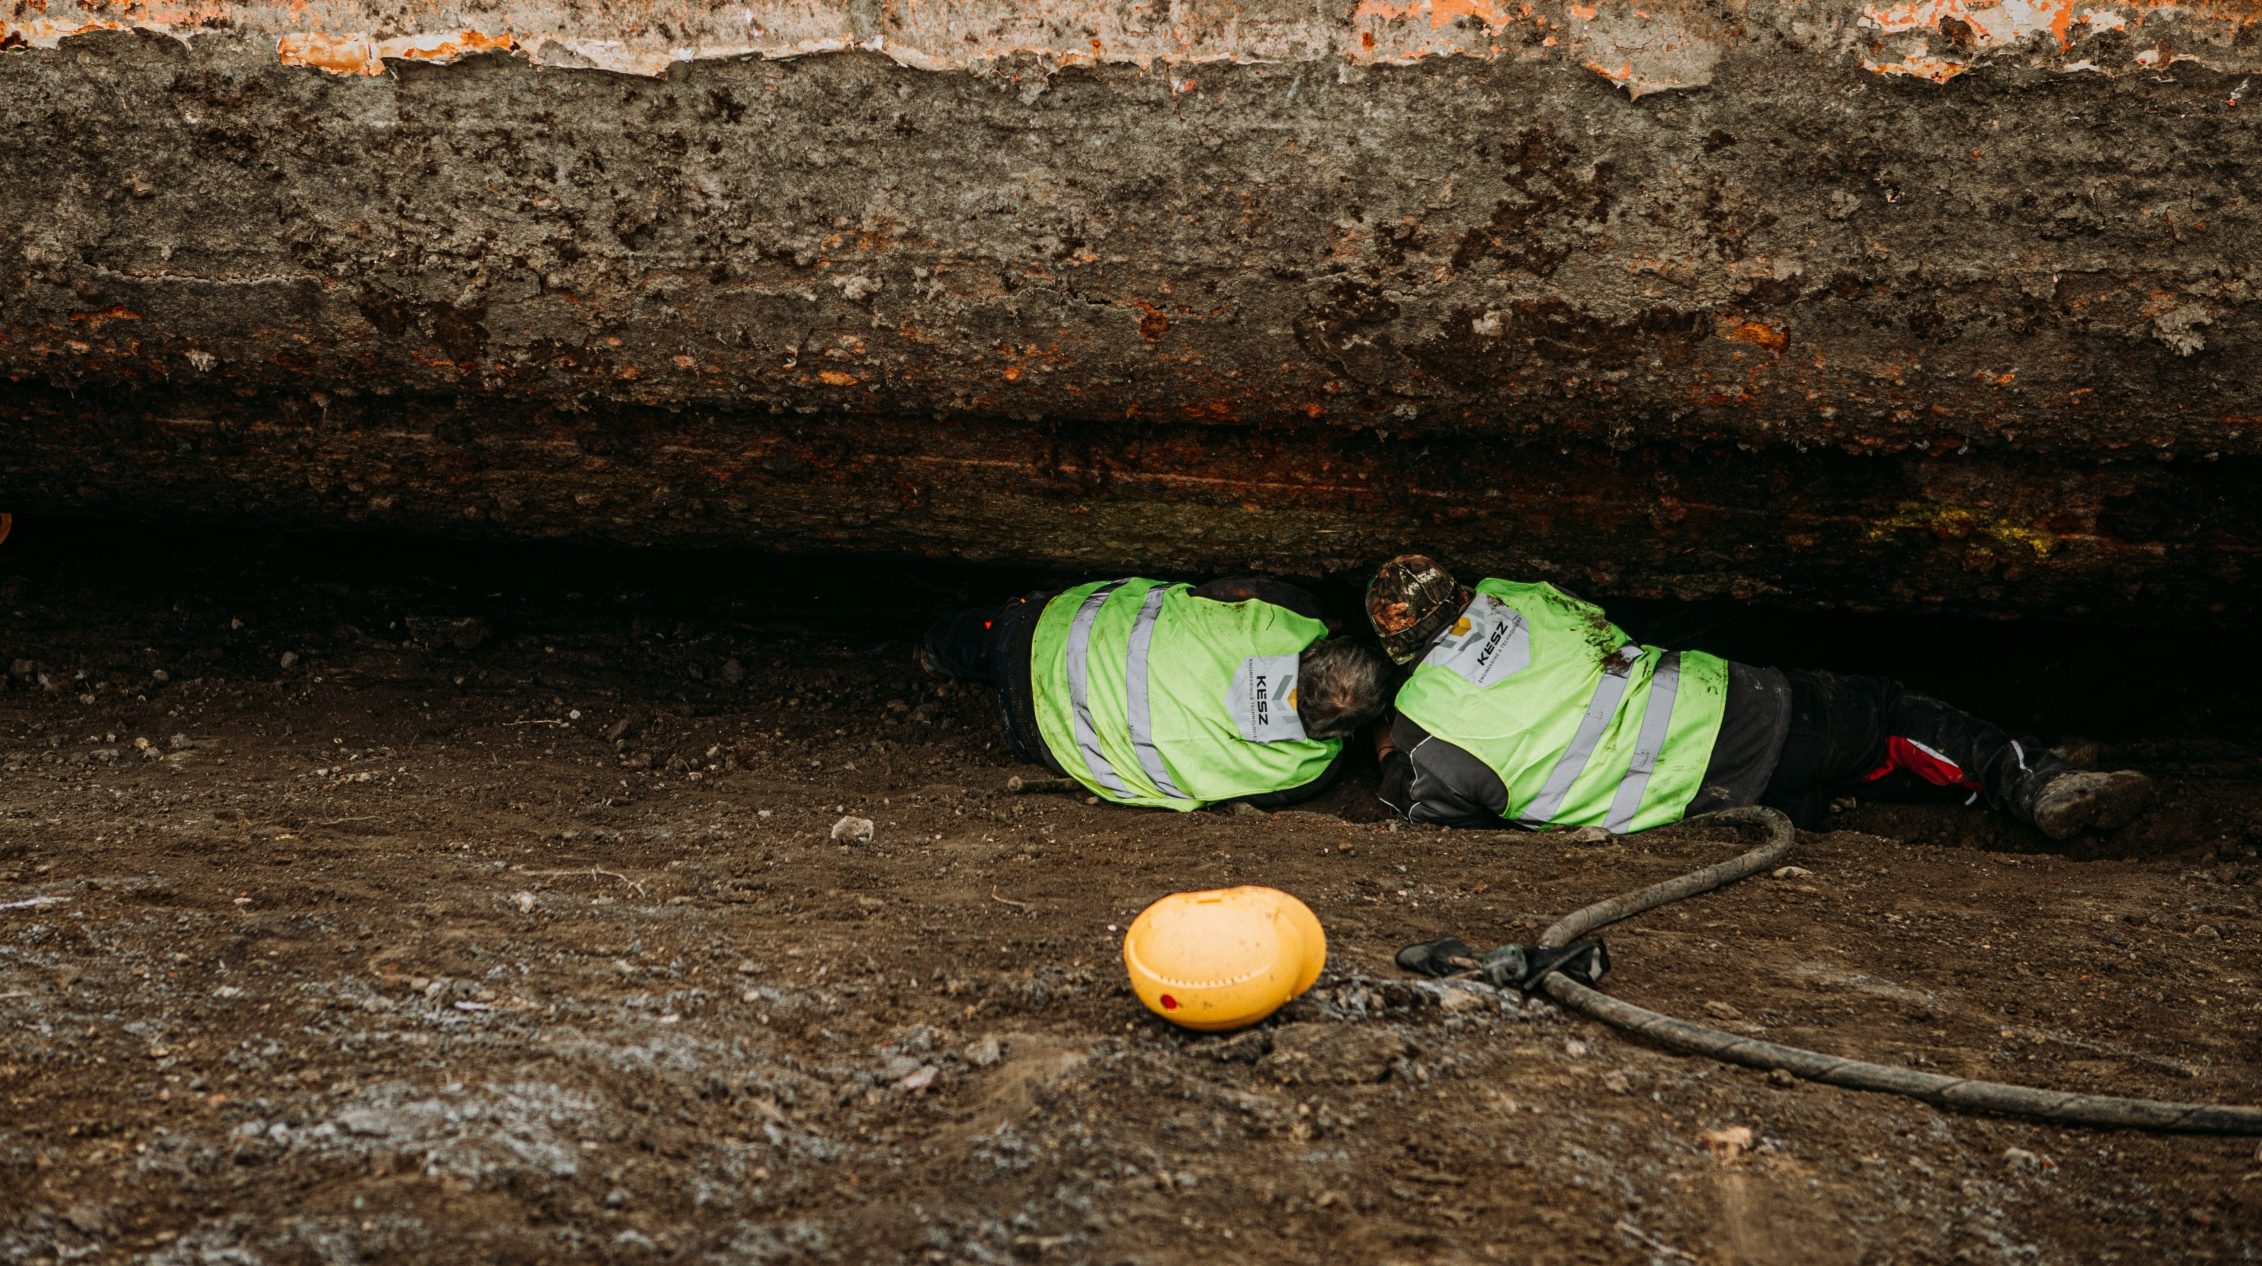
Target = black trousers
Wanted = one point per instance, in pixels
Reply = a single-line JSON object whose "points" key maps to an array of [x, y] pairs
{"points": [[991, 644], [1875, 740]]}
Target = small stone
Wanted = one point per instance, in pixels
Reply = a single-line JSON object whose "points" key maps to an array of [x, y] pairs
{"points": [[899, 1067], [918, 1079], [616, 1198], [2020, 1158], [1586, 835], [87, 1219], [1617, 1083], [1453, 996], [985, 1052], [289, 660], [524, 901], [1791, 872], [1727, 1145], [160, 676], [733, 672], [1782, 1077], [1575, 1048], [2206, 932], [1722, 1011], [361, 1121], [853, 830], [748, 967]]}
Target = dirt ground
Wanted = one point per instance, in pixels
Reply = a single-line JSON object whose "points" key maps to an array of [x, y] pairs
{"points": [[391, 901]]}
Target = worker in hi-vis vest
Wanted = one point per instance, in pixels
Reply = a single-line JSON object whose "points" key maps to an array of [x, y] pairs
{"points": [[1166, 695], [1528, 707]]}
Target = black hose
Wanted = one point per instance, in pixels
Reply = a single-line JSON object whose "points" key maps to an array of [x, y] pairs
{"points": [[1946, 1092]]}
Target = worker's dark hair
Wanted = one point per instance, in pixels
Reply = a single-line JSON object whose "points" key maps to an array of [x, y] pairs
{"points": [[1340, 687]]}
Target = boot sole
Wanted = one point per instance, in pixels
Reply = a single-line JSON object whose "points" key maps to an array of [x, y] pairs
{"points": [[2111, 807]]}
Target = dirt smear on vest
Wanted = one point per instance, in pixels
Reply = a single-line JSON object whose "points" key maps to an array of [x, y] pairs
{"points": [[511, 929]]}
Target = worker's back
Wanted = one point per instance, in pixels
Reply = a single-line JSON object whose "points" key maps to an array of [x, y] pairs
{"points": [[1147, 694], [1581, 726]]}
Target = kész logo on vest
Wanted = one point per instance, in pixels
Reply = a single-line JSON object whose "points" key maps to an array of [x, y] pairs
{"points": [[1487, 643], [1262, 699]]}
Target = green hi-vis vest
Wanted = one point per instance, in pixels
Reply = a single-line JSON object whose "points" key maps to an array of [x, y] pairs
{"points": [[1583, 727], [1149, 695]]}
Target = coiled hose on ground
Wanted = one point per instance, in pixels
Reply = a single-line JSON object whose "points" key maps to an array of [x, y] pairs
{"points": [[1854, 1074]]}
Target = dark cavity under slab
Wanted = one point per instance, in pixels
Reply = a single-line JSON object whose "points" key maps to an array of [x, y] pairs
{"points": [[1977, 533]]}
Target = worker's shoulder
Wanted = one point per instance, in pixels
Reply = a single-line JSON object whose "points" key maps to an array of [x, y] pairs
{"points": [[1537, 589], [1267, 589]]}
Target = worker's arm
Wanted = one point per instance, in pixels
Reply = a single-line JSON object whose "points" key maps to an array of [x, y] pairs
{"points": [[1426, 779], [1265, 589]]}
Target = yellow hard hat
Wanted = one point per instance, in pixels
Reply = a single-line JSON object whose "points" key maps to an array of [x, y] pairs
{"points": [[1224, 958]]}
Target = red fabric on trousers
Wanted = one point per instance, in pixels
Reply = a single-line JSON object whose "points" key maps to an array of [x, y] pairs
{"points": [[1916, 758]]}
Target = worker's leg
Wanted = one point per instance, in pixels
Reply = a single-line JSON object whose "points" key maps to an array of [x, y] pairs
{"points": [[989, 644], [958, 645], [1009, 668], [1869, 737]]}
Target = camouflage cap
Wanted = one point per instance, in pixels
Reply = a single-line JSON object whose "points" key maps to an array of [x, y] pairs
{"points": [[1411, 599]]}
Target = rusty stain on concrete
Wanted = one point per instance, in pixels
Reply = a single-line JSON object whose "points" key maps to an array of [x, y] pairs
{"points": [[1756, 333], [1643, 46], [354, 56], [1940, 39]]}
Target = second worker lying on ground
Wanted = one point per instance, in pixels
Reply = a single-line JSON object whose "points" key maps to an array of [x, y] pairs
{"points": [[1528, 707], [1160, 694]]}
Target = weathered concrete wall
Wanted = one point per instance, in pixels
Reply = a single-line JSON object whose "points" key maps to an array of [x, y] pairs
{"points": [[1946, 303]]}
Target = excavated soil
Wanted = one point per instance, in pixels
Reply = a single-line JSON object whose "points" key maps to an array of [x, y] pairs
{"points": [[392, 902]]}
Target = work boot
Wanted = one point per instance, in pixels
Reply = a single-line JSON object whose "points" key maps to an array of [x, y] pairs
{"points": [[957, 646], [2087, 801]]}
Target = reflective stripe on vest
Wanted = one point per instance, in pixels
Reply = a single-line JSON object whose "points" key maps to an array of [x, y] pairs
{"points": [[1657, 720], [1135, 690], [1079, 691], [1600, 708]]}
